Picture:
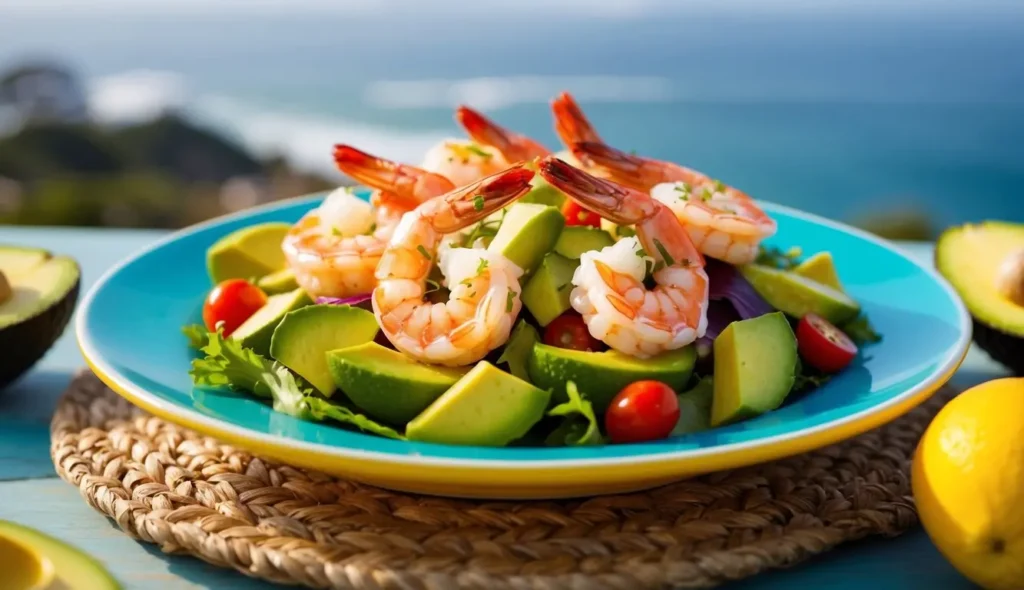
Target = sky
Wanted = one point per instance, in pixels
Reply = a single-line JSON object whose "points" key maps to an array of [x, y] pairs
{"points": [[598, 8]]}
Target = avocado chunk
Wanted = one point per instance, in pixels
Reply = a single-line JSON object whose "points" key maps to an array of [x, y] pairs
{"points": [[755, 368], [984, 263], [577, 239], [695, 408], [31, 559], [386, 384], [602, 375], [487, 407], [256, 332], [798, 296], [820, 268], [304, 337], [37, 296], [542, 193], [546, 294], [280, 281], [527, 233], [248, 253]]}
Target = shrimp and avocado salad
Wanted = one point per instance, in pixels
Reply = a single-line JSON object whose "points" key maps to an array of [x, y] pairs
{"points": [[500, 295]]}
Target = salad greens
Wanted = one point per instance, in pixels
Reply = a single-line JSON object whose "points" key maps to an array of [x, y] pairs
{"points": [[227, 364], [580, 426]]}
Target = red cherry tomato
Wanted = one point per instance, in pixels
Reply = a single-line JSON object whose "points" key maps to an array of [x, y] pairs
{"points": [[824, 346], [577, 215], [569, 331], [232, 302], [643, 410]]}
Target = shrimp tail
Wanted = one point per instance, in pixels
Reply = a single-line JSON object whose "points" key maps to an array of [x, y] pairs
{"points": [[610, 162], [469, 204], [571, 124], [620, 204], [483, 130], [405, 186]]}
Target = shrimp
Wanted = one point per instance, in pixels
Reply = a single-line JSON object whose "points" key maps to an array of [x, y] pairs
{"points": [[334, 249], [724, 222], [485, 291], [513, 147], [609, 291], [463, 162]]}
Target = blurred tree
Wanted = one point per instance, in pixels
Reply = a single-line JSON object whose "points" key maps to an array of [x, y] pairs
{"points": [[44, 151], [175, 147]]}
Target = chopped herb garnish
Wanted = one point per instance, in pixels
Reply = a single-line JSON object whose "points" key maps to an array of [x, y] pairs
{"points": [[664, 253], [423, 251], [434, 286], [335, 231], [683, 187], [373, 227], [861, 331], [482, 266], [719, 186], [641, 253], [657, 266], [510, 301], [478, 202], [777, 258], [706, 194], [475, 149]]}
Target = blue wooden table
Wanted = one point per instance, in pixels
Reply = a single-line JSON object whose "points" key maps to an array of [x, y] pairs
{"points": [[31, 494]]}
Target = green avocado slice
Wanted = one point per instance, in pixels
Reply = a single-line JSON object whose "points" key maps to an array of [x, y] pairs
{"points": [[546, 294], [387, 384], [486, 407], [70, 567], [577, 239], [304, 337], [602, 375], [256, 332], [248, 253], [528, 232], [798, 296], [38, 292], [755, 368]]}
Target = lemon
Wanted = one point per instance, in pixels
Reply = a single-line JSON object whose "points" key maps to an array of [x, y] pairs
{"points": [[968, 482]]}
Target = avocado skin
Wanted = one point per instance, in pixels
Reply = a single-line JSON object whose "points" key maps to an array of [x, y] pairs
{"points": [[22, 344], [1005, 349]]}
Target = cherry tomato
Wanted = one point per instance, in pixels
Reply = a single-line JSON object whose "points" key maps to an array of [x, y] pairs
{"points": [[569, 331], [643, 410], [824, 346], [232, 302], [577, 215]]}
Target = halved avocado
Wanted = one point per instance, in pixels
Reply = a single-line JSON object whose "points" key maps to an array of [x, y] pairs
{"points": [[31, 559], [38, 292], [985, 264]]}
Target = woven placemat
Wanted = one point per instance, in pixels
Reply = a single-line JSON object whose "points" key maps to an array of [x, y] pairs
{"points": [[191, 494]]}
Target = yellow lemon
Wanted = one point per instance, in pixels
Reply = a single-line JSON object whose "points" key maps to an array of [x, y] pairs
{"points": [[968, 481]]}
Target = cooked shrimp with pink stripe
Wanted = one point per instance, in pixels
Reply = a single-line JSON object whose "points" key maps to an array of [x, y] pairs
{"points": [[334, 249], [609, 290], [484, 286]]}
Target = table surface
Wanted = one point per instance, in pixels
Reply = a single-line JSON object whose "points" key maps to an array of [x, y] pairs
{"points": [[31, 493]]}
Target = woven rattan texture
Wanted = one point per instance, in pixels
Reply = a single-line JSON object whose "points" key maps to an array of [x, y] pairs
{"points": [[187, 493]]}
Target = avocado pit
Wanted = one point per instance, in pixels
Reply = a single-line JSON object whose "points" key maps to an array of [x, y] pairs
{"points": [[1010, 281]]}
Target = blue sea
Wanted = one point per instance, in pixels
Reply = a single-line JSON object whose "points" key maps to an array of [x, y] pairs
{"points": [[844, 113]]}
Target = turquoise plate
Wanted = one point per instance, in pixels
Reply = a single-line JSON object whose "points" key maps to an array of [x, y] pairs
{"points": [[129, 330]]}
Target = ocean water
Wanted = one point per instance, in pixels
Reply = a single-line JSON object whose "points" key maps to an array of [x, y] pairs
{"points": [[842, 114]]}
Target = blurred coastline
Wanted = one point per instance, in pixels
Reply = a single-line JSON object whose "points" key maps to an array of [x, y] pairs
{"points": [[901, 122]]}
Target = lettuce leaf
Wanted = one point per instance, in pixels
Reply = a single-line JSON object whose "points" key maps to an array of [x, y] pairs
{"points": [[228, 364], [580, 426]]}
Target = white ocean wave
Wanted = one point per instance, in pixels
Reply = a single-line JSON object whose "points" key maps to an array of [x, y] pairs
{"points": [[135, 95], [501, 92], [308, 140]]}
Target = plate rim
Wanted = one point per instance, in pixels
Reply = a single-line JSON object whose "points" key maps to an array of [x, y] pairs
{"points": [[821, 435]]}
